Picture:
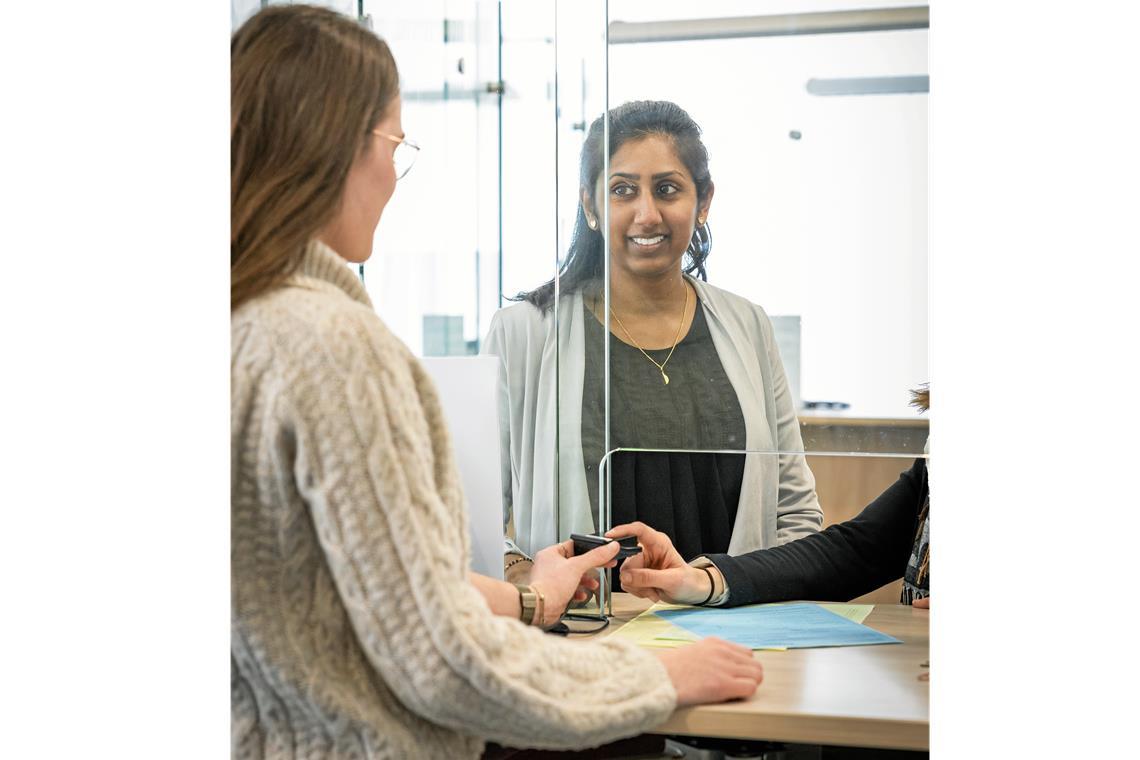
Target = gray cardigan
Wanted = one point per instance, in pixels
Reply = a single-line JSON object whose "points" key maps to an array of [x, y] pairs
{"points": [[778, 502]]}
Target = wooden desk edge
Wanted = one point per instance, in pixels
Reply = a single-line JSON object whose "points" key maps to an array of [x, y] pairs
{"points": [[706, 720], [889, 422]]}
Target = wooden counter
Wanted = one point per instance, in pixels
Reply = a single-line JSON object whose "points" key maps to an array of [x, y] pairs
{"points": [[866, 696]]}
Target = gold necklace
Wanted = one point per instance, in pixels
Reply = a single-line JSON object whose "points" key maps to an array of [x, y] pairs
{"points": [[660, 367]]}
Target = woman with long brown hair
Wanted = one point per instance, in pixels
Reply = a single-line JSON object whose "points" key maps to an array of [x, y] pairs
{"points": [[357, 628]]}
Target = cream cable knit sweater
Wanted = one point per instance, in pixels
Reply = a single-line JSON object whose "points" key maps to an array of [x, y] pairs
{"points": [[354, 630]]}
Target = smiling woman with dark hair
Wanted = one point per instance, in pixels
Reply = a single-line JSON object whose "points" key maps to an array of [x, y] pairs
{"points": [[692, 367]]}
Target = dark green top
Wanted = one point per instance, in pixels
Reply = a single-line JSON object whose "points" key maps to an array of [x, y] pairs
{"points": [[691, 497]]}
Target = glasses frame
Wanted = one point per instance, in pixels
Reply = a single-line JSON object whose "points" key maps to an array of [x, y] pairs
{"points": [[401, 141]]}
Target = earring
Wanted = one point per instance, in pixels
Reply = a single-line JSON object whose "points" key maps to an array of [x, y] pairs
{"points": [[592, 223], [700, 245], [700, 220]]}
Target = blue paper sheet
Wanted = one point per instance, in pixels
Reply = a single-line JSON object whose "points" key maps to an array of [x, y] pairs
{"points": [[794, 626]]}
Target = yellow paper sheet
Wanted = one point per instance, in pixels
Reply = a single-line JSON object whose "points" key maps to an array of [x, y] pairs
{"points": [[856, 613], [649, 630]]}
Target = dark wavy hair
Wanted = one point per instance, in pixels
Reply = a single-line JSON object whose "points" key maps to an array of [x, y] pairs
{"points": [[635, 120]]}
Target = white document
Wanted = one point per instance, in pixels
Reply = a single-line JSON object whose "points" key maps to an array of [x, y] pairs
{"points": [[468, 392]]}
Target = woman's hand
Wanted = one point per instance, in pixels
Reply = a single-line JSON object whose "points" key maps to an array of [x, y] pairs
{"points": [[659, 573], [712, 670], [561, 576]]}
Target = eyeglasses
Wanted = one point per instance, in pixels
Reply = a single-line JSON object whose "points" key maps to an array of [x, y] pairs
{"points": [[404, 155]]}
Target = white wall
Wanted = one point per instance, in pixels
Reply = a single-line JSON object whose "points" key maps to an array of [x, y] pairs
{"points": [[240, 10]]}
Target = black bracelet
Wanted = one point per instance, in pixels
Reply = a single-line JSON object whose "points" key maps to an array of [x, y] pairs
{"points": [[712, 587]]}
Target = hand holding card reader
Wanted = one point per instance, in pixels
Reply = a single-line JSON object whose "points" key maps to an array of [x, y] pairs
{"points": [[584, 543]]}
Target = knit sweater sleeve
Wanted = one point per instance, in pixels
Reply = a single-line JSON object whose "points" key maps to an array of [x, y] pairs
{"points": [[839, 563], [375, 469]]}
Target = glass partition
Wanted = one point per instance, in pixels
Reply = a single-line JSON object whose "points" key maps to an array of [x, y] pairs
{"points": [[554, 66], [800, 325], [582, 91], [847, 482], [766, 204]]}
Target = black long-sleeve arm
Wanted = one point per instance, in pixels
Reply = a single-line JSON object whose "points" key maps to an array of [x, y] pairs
{"points": [[837, 564]]}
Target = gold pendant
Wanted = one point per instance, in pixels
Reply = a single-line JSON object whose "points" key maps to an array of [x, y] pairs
{"points": [[665, 377]]}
